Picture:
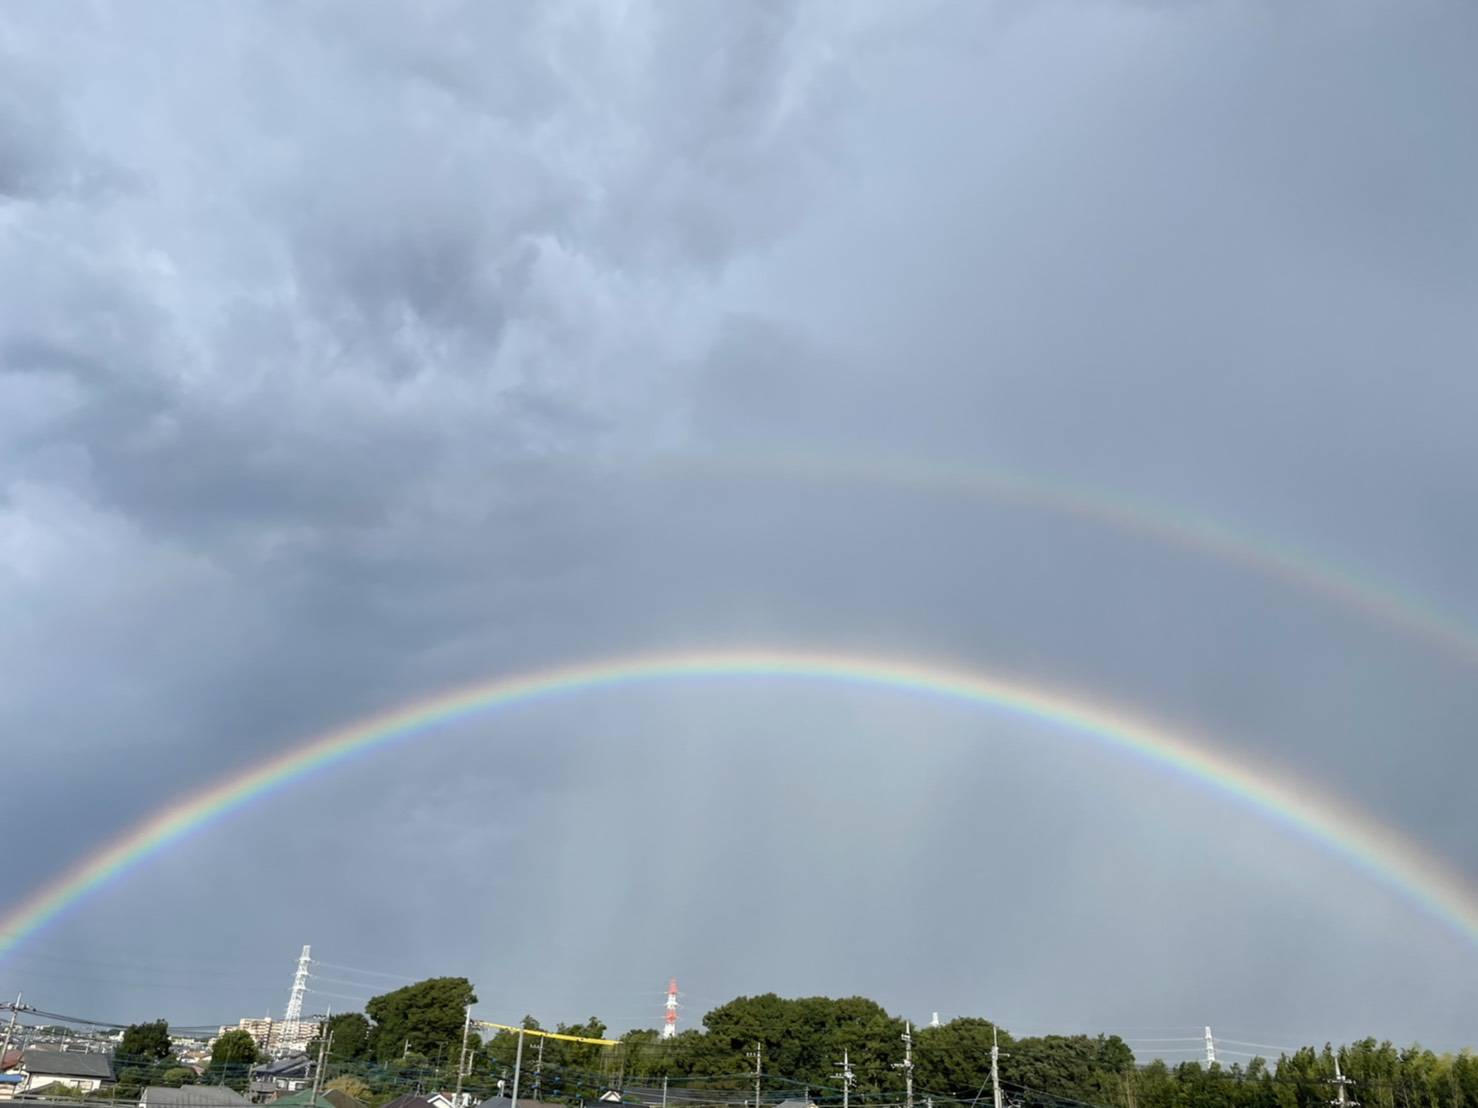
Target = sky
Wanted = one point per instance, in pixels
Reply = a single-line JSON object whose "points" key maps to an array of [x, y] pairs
{"points": [[351, 353]]}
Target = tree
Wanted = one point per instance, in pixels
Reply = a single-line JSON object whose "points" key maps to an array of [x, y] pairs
{"points": [[231, 1058], [176, 1076], [131, 1082], [353, 1086], [234, 1048], [349, 1038], [425, 1017], [954, 1058], [146, 1042]]}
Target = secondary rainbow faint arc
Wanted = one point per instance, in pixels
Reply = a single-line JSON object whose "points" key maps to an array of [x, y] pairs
{"points": [[1335, 583], [1379, 850]]}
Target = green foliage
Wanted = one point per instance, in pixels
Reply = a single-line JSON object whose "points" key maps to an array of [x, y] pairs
{"points": [[131, 1082], [176, 1076], [356, 1087], [350, 1038], [954, 1058], [146, 1040], [425, 1017], [1077, 1066], [804, 1038], [231, 1059], [234, 1048]]}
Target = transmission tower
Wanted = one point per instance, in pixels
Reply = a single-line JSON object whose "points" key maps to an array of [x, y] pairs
{"points": [[294, 1012], [1210, 1049]]}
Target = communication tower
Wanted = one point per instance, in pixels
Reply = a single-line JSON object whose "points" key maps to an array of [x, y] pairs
{"points": [[669, 1016]]}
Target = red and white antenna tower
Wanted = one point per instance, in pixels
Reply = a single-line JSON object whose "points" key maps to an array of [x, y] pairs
{"points": [[669, 1018]]}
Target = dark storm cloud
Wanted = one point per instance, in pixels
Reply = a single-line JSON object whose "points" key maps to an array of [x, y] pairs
{"points": [[349, 355]]}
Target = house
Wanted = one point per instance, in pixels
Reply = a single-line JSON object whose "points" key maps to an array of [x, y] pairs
{"points": [[81, 1070], [285, 1075], [192, 1096], [410, 1100], [11, 1078], [327, 1098]]}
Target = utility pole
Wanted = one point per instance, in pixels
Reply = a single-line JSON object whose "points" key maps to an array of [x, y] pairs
{"points": [[324, 1042], [907, 1064], [539, 1070], [462, 1058], [1210, 1049], [757, 1054], [995, 1067], [10, 1027], [664, 1091], [517, 1067], [844, 1071], [1341, 1082]]}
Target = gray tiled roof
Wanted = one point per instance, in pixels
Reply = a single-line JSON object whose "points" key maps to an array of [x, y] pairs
{"points": [[68, 1063], [192, 1096], [293, 1063]]}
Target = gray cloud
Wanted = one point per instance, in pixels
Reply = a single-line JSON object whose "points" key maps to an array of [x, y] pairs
{"points": [[345, 358]]}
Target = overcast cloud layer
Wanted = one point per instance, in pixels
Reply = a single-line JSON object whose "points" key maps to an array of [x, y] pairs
{"points": [[349, 353]]}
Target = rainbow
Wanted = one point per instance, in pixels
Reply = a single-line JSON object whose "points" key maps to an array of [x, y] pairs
{"points": [[1330, 582], [1376, 849]]}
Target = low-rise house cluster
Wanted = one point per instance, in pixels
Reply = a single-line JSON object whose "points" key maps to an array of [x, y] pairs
{"points": [[37, 1072]]}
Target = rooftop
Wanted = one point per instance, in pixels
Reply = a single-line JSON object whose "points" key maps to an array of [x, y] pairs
{"points": [[68, 1063], [192, 1096]]}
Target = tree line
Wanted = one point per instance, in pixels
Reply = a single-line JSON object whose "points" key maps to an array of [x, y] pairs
{"points": [[412, 1039]]}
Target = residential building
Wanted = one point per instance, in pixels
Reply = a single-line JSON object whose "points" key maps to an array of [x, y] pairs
{"points": [[260, 1030], [80, 1070], [327, 1098], [285, 1075], [192, 1096], [278, 1036]]}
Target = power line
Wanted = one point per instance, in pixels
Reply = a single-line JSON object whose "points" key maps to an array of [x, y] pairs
{"points": [[1260, 1046], [356, 969]]}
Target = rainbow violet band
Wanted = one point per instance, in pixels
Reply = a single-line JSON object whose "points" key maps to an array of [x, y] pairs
{"points": [[1380, 851]]}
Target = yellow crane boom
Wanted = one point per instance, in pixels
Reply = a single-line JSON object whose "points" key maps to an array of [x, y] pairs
{"points": [[548, 1034]]}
